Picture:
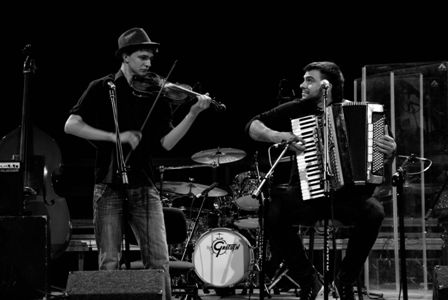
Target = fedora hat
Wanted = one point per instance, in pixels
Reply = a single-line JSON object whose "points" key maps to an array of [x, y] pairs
{"points": [[134, 38]]}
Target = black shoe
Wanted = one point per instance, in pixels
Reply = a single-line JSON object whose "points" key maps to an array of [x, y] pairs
{"points": [[311, 290], [344, 290]]}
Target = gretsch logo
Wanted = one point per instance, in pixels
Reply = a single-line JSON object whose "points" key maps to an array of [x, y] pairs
{"points": [[220, 246]]}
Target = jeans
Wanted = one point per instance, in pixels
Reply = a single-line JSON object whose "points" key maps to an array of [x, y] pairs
{"points": [[353, 206], [145, 216]]}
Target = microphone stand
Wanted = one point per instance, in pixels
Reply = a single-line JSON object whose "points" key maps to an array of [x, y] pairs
{"points": [[122, 170], [326, 184], [204, 195], [398, 181], [255, 194]]}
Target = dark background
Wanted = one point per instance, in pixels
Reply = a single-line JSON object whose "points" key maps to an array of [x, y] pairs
{"points": [[239, 54]]}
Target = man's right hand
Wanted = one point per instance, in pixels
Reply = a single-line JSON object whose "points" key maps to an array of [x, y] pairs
{"points": [[131, 137], [296, 142]]}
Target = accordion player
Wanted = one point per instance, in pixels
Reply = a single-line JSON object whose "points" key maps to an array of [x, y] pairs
{"points": [[352, 156]]}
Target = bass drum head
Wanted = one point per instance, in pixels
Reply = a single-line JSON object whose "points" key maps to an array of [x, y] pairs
{"points": [[222, 257]]}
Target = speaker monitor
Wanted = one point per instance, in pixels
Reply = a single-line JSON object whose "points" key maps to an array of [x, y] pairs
{"points": [[24, 253], [118, 284]]}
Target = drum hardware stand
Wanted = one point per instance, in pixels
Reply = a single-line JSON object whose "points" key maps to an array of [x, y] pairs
{"points": [[281, 272], [203, 194], [438, 202], [261, 236]]}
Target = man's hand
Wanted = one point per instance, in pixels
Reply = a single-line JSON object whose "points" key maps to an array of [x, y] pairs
{"points": [[386, 144], [296, 143], [202, 104], [131, 137]]}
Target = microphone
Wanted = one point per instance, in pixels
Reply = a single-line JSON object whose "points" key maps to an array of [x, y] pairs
{"points": [[208, 189], [283, 143], [325, 84], [412, 158], [111, 84]]}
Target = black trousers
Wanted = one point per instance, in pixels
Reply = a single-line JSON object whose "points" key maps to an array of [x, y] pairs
{"points": [[354, 205]]}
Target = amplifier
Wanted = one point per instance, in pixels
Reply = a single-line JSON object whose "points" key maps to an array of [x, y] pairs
{"points": [[24, 256], [11, 188]]}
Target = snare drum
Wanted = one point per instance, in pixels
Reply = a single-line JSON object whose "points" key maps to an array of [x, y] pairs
{"points": [[222, 257]]}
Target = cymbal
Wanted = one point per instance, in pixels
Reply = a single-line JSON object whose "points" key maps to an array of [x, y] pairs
{"points": [[218, 156], [185, 188]]}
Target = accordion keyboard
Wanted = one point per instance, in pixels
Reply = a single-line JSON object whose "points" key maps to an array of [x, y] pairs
{"points": [[309, 162]]}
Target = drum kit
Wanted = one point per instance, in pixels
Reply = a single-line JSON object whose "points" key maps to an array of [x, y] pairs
{"points": [[223, 224]]}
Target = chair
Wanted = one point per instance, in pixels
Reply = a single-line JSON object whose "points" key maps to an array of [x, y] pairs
{"points": [[182, 283], [338, 232]]}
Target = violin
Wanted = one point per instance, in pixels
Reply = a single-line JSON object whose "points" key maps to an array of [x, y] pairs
{"points": [[150, 84]]}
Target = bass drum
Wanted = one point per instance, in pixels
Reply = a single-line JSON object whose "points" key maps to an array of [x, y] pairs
{"points": [[222, 257]]}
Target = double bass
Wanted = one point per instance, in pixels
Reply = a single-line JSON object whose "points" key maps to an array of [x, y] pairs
{"points": [[40, 158]]}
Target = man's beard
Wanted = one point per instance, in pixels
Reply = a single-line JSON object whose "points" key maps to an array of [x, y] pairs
{"points": [[313, 99]]}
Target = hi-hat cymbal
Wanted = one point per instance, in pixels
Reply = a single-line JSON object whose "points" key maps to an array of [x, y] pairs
{"points": [[186, 188], [218, 156]]}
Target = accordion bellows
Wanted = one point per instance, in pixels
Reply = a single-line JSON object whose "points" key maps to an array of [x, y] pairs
{"points": [[349, 136]]}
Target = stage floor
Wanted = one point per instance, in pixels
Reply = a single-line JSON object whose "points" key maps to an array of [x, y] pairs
{"points": [[385, 294]]}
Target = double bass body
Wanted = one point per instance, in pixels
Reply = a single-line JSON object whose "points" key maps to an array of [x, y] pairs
{"points": [[39, 196], [40, 158]]}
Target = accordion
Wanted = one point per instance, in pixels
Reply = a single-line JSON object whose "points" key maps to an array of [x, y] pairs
{"points": [[352, 156]]}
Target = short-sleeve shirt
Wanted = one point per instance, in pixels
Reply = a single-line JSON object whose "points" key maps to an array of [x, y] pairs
{"points": [[95, 108]]}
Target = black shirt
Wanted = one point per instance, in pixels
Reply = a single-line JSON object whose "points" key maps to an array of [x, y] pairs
{"points": [[279, 119], [95, 108]]}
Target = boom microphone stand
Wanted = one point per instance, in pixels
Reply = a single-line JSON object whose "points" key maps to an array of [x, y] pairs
{"points": [[203, 194], [256, 194], [398, 180]]}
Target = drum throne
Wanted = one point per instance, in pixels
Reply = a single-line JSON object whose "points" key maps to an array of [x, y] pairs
{"points": [[183, 282]]}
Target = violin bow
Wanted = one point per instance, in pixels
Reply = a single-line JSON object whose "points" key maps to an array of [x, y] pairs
{"points": [[162, 86]]}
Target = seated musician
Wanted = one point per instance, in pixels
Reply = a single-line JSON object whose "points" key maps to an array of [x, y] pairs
{"points": [[355, 205]]}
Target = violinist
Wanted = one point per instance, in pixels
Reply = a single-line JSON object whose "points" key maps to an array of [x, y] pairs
{"points": [[93, 118]]}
